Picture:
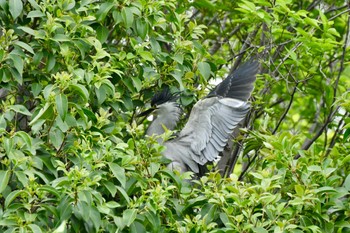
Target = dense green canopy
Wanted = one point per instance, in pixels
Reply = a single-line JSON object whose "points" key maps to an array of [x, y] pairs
{"points": [[73, 75]]}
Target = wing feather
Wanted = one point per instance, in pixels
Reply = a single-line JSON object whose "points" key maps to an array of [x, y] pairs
{"points": [[209, 127], [213, 120], [240, 83]]}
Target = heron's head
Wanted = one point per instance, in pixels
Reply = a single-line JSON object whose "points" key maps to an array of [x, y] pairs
{"points": [[162, 101]]}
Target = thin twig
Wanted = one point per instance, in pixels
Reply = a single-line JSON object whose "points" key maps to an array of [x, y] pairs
{"points": [[335, 9], [336, 134], [313, 5], [287, 109], [218, 42], [342, 59], [287, 56], [247, 41], [309, 142], [241, 176], [339, 14]]}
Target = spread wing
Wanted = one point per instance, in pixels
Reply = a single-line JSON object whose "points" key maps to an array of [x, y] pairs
{"points": [[209, 127], [213, 119]]}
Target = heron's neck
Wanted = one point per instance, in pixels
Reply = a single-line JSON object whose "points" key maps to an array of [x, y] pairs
{"points": [[167, 115]]}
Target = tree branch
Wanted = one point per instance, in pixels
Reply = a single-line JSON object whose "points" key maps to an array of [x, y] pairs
{"points": [[244, 171], [309, 142], [247, 41], [287, 109], [336, 133]]}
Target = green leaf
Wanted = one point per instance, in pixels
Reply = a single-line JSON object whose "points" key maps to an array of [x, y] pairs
{"points": [[3, 123], [91, 116], [36, 89], [102, 34], [259, 230], [205, 4], [257, 175], [12, 196], [224, 219], [204, 69], [50, 190], [101, 94], [119, 173], [347, 183], [111, 187], [44, 112], [51, 62], [334, 32], [27, 140], [129, 216], [17, 76], [314, 168], [146, 55], [137, 83], [36, 14], [21, 176], [128, 17], [56, 137], [112, 204], [61, 38], [24, 46], [175, 178], [20, 109], [15, 7], [249, 6], [35, 228], [328, 171], [95, 217], [325, 189], [178, 58], [82, 210], [4, 179], [17, 62], [124, 194], [82, 91], [34, 4], [345, 160], [155, 47], [312, 22], [299, 190], [62, 105], [141, 28], [65, 208], [177, 74], [8, 144], [103, 10], [210, 213], [198, 201], [8, 222], [28, 30], [62, 228], [63, 125]]}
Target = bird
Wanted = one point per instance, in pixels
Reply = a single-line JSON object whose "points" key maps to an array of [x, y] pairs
{"points": [[211, 121]]}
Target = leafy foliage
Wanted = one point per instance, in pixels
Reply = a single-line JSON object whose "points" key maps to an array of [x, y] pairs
{"points": [[74, 74]]}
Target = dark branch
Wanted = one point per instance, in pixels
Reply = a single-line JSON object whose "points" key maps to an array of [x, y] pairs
{"points": [[336, 134], [287, 109]]}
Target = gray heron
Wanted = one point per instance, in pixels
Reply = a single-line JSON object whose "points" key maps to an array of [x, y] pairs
{"points": [[211, 122]]}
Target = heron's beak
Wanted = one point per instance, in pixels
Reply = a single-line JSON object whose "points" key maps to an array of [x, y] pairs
{"points": [[146, 113]]}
